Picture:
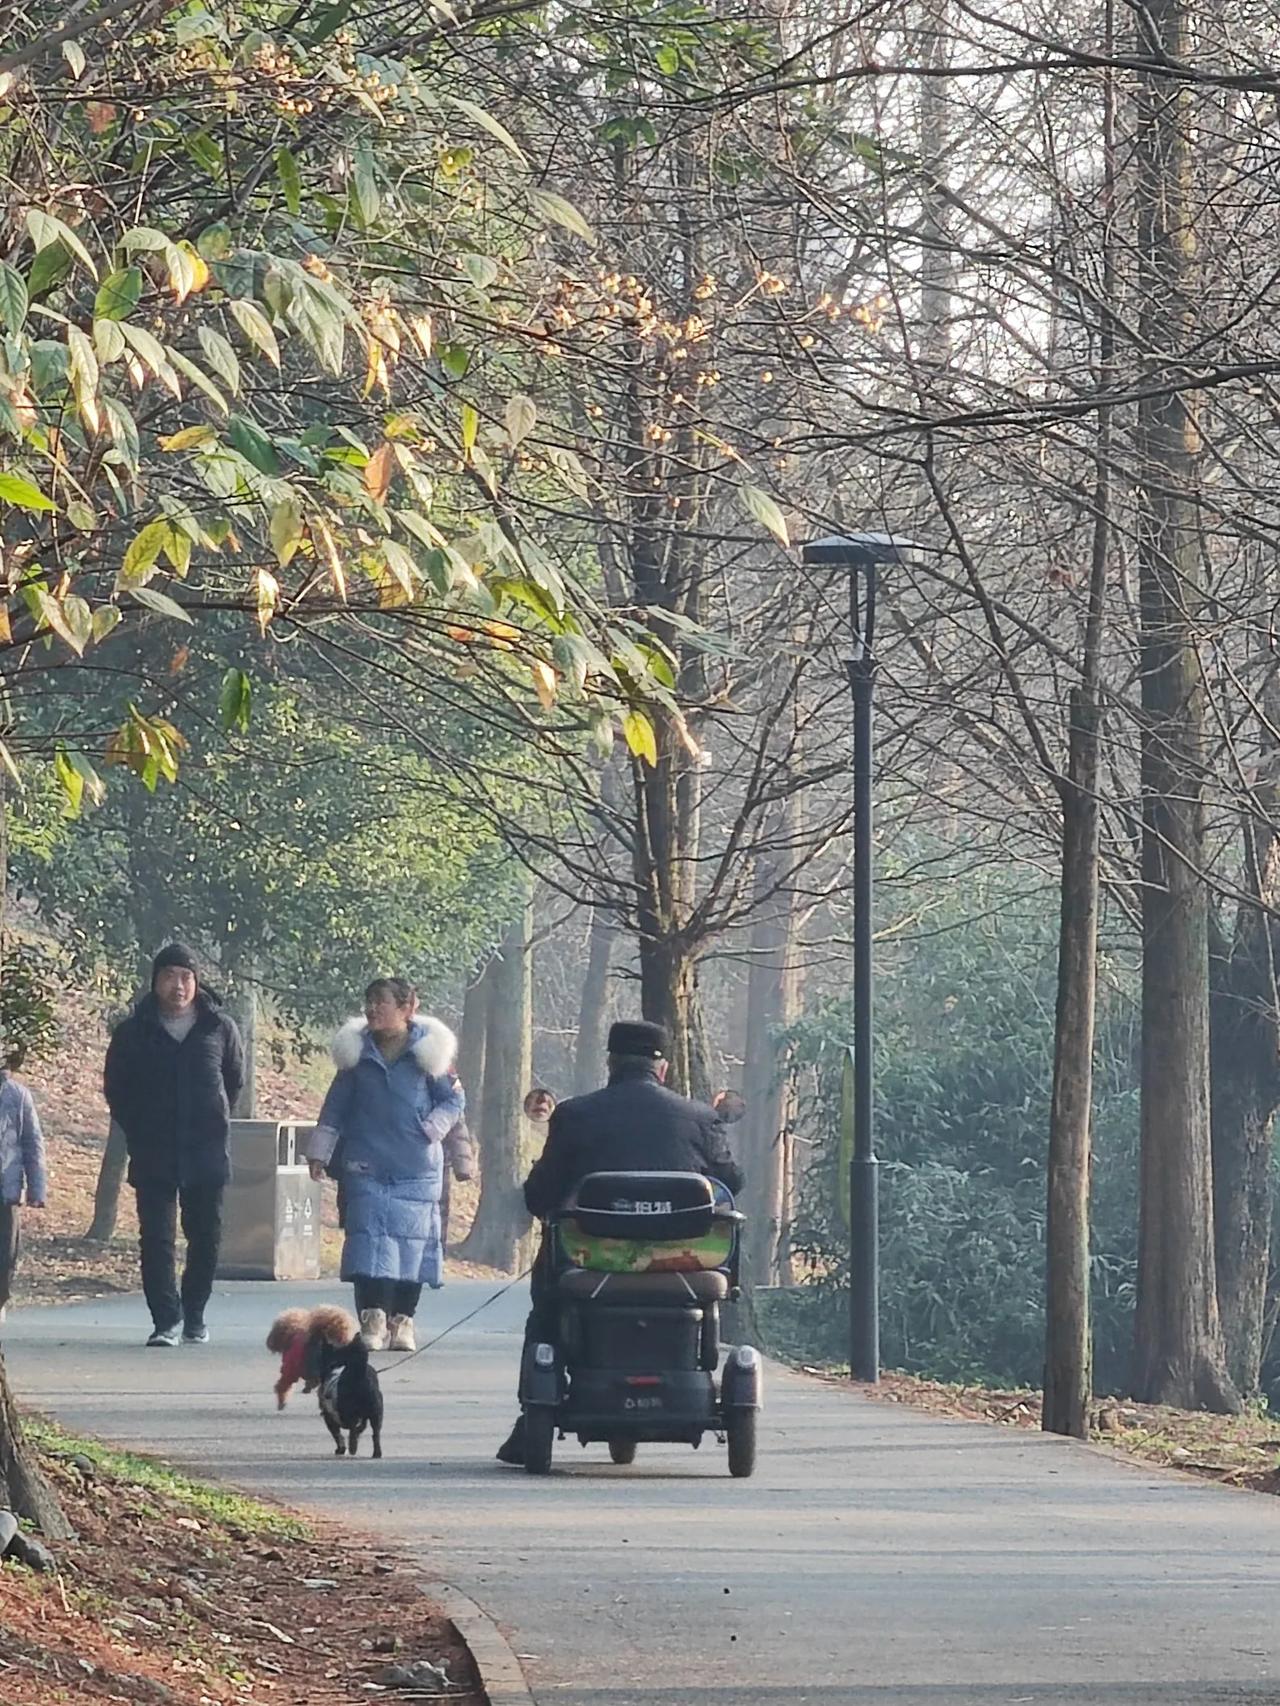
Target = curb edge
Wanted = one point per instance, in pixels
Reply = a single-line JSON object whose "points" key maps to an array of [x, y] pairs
{"points": [[501, 1676]]}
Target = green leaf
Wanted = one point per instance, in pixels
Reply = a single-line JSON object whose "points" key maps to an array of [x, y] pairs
{"points": [[470, 426], [124, 430], [118, 294], [482, 270], [257, 328], [144, 237], [286, 529], [253, 444], [69, 618], [215, 242], [668, 58], [290, 180], [160, 602], [568, 466], [558, 211], [49, 268], [487, 122], [575, 657], [521, 417], [81, 516], [105, 618], [177, 548], [17, 490], [439, 569], [455, 359], [143, 553], [762, 507], [207, 155], [45, 229], [201, 380], [70, 780], [221, 358], [330, 20], [236, 700], [108, 340], [13, 297], [152, 353], [640, 736], [402, 566], [366, 197]]}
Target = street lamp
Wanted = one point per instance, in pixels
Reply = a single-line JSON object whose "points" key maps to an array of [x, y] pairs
{"points": [[861, 554]]}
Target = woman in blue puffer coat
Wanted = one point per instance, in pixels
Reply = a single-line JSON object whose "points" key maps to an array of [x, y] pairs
{"points": [[381, 1133]]}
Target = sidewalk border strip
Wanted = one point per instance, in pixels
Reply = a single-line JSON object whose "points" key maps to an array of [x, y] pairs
{"points": [[501, 1675]]}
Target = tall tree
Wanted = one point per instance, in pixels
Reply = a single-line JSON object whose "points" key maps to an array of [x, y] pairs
{"points": [[1178, 1348], [501, 1220]]}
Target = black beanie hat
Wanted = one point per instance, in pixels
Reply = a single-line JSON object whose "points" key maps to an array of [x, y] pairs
{"points": [[638, 1037], [176, 954]]}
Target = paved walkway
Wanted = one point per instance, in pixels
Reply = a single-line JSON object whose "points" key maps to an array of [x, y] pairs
{"points": [[878, 1558]]}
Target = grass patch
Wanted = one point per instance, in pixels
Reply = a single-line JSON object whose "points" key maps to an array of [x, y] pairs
{"points": [[207, 1502]]}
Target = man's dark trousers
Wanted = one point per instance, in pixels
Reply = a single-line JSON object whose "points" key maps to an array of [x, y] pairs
{"points": [[158, 1205]]}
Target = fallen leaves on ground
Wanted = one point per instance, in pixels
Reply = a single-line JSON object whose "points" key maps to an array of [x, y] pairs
{"points": [[165, 1600], [1240, 1451]]}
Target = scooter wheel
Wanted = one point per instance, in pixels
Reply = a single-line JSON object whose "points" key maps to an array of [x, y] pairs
{"points": [[740, 1435], [622, 1450], [539, 1438]]}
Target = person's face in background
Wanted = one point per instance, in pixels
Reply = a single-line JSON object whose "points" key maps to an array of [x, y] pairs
{"points": [[539, 1105], [385, 1015], [175, 988]]}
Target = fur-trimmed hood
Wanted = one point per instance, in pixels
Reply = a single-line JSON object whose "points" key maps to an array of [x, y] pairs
{"points": [[434, 1045]]}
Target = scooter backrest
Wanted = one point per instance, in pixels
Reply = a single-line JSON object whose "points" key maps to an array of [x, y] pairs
{"points": [[652, 1206]]}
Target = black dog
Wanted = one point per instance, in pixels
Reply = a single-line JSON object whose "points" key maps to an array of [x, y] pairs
{"points": [[350, 1396]]}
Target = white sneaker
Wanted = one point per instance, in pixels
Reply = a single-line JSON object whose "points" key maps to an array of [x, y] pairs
{"points": [[373, 1329], [402, 1336]]}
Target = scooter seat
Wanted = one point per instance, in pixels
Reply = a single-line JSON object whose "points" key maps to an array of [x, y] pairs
{"points": [[671, 1289]]}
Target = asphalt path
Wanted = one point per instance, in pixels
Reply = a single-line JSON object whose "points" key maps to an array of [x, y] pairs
{"points": [[878, 1558]]}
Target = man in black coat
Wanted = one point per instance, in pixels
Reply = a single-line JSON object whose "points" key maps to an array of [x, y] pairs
{"points": [[174, 1070], [634, 1123]]}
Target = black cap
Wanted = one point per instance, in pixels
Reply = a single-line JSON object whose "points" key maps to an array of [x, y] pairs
{"points": [[638, 1037], [176, 954]]}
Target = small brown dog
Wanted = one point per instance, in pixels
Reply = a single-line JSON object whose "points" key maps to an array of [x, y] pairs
{"points": [[297, 1336]]}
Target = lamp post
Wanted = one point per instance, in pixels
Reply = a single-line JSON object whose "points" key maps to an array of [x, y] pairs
{"points": [[861, 554]]}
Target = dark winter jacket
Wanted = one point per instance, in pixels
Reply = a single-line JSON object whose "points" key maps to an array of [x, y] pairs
{"points": [[633, 1123], [173, 1100]]}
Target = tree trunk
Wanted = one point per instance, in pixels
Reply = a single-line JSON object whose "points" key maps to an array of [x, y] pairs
{"points": [[106, 1198], [1068, 1348], [669, 997], [593, 1010], [501, 1221], [243, 1005], [1178, 1350], [23, 1489], [472, 1046], [772, 1005], [1245, 1084]]}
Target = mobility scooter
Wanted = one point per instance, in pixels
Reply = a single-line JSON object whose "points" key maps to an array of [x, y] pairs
{"points": [[640, 1264]]}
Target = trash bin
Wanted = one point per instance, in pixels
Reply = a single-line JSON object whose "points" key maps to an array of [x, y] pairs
{"points": [[271, 1215]]}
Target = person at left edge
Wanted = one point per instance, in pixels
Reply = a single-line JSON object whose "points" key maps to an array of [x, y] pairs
{"points": [[174, 1070]]}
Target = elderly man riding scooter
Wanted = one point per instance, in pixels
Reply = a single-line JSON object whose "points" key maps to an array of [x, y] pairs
{"points": [[635, 1122]]}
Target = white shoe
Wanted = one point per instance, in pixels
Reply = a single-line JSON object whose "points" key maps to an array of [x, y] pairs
{"points": [[373, 1329], [402, 1336]]}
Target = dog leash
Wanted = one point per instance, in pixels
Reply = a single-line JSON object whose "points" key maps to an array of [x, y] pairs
{"points": [[403, 1362]]}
